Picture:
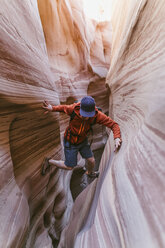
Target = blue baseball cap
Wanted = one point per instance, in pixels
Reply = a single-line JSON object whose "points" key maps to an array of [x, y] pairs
{"points": [[87, 106]]}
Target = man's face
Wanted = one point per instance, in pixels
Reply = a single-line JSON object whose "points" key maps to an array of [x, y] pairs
{"points": [[85, 118]]}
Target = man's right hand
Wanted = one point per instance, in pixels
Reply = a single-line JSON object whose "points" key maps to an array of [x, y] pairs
{"points": [[48, 107], [118, 142]]}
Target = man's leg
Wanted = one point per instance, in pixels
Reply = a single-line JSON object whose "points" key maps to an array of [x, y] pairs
{"points": [[70, 160], [87, 153], [60, 164], [90, 168], [70, 152], [90, 165]]}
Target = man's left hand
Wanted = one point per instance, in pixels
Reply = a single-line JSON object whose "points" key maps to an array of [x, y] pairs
{"points": [[117, 144]]}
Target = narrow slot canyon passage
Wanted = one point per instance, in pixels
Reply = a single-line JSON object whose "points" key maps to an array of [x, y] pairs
{"points": [[79, 180], [61, 51]]}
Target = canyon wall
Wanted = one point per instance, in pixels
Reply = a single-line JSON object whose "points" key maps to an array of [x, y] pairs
{"points": [[48, 51], [125, 206], [27, 199]]}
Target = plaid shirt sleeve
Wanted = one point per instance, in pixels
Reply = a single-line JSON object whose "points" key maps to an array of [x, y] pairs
{"points": [[105, 120], [68, 109]]}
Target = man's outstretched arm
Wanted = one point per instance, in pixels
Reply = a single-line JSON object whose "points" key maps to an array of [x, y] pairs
{"points": [[68, 109], [108, 122]]}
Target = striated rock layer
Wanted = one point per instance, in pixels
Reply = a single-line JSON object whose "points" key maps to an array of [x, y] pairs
{"points": [[125, 206], [35, 209], [27, 199]]}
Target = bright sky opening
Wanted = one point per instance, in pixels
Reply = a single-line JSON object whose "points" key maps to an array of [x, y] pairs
{"points": [[99, 10]]}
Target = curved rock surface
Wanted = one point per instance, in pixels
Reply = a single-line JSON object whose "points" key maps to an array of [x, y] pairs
{"points": [[74, 43], [27, 199]]}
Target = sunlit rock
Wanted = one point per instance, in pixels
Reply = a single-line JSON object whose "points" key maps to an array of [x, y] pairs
{"points": [[74, 42]]}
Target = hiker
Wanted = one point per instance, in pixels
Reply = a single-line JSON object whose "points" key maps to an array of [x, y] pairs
{"points": [[83, 115]]}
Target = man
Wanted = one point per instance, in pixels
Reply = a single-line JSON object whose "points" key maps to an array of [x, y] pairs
{"points": [[75, 137]]}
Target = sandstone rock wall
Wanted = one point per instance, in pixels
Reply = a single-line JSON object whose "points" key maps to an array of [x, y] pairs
{"points": [[74, 42], [125, 207], [27, 200]]}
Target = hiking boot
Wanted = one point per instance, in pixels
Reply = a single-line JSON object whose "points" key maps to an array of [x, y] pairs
{"points": [[83, 170], [45, 166], [93, 174]]}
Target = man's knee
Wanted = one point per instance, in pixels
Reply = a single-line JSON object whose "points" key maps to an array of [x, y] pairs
{"points": [[91, 160], [69, 167]]}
